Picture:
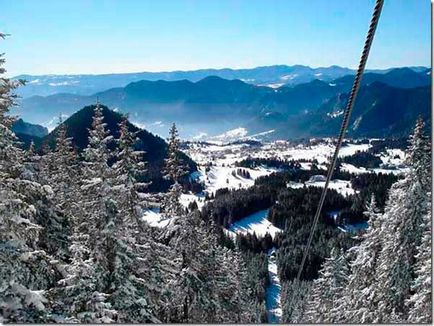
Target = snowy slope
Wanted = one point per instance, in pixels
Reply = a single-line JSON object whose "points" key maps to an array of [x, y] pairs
{"points": [[255, 223], [219, 177]]}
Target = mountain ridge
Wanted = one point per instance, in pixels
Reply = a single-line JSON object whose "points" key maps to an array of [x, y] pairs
{"points": [[87, 84]]}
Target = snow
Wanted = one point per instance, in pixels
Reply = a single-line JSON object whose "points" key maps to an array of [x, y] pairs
{"points": [[255, 223], [394, 157], [219, 177], [352, 149], [353, 228], [273, 299], [341, 186], [335, 114], [273, 85], [288, 77], [353, 169], [231, 135], [155, 219], [186, 199], [64, 83]]}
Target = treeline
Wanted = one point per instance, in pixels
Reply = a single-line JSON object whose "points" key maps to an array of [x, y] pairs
{"points": [[362, 159], [380, 145], [268, 162]]}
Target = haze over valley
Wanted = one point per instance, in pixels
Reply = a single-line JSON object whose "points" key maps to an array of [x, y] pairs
{"points": [[274, 102]]}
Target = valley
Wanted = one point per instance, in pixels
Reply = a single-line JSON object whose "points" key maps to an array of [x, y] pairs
{"points": [[231, 167]]}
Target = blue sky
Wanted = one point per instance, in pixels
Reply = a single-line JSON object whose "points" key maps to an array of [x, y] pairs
{"points": [[105, 36]]}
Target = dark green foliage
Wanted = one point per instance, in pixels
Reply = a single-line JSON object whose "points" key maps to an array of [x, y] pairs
{"points": [[362, 159], [257, 275], [268, 162], [378, 146], [372, 183], [250, 242], [293, 204], [230, 206], [22, 127], [25, 140]]}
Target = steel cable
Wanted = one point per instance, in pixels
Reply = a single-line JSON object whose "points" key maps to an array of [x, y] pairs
{"points": [[347, 113]]}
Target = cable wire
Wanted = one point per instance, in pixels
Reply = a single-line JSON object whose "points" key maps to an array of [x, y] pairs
{"points": [[356, 85]]}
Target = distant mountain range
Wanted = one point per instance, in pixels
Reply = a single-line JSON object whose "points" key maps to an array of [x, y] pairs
{"points": [[380, 111], [272, 76], [214, 105]]}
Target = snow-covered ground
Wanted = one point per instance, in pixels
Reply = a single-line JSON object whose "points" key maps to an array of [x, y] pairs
{"points": [[186, 199], [219, 177], [155, 218], [226, 154], [255, 223], [273, 298], [341, 186]]}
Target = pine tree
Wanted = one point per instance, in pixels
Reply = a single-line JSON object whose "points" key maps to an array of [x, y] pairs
{"points": [[358, 302], [174, 170], [420, 302], [86, 282], [329, 286], [128, 233], [195, 245], [59, 169], [128, 169], [26, 270], [407, 205], [295, 296], [419, 155]]}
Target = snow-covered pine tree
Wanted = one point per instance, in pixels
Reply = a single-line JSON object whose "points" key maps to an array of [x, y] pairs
{"points": [[127, 234], [357, 304], [60, 170], [195, 245], [295, 296], [128, 173], [96, 188], [84, 294], [327, 288], [235, 300], [408, 203], [173, 171], [419, 155], [420, 302], [25, 270]]}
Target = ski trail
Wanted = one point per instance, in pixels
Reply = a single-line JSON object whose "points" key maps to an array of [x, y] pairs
{"points": [[273, 305]]}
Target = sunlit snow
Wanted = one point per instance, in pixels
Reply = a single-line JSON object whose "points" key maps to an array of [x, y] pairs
{"points": [[255, 223]]}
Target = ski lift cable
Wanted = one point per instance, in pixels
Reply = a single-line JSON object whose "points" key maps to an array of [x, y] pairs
{"points": [[356, 85]]}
